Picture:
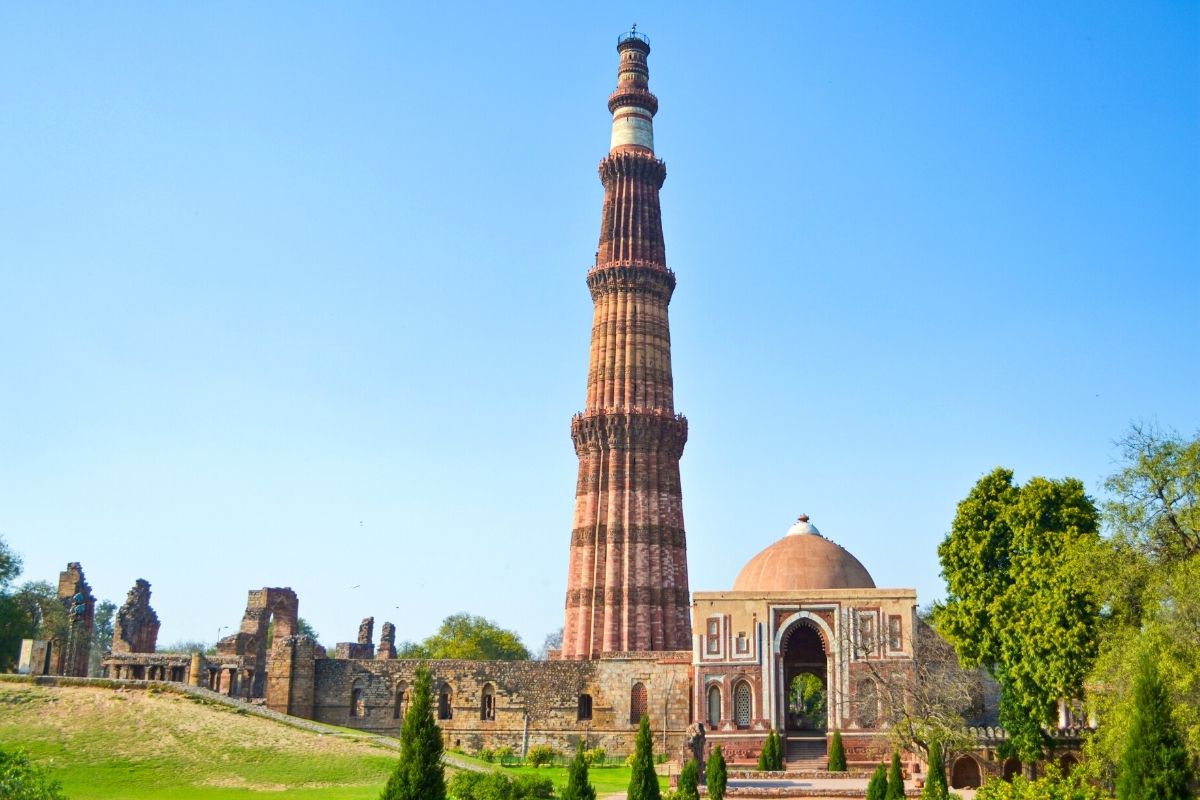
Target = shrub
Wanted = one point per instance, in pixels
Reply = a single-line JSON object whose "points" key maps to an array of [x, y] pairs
{"points": [[487, 755], [935, 782], [21, 779], [594, 757], [503, 754], [837, 754], [895, 787], [643, 782], [578, 787], [1154, 763], [689, 780], [715, 774], [1051, 785], [540, 755], [533, 787], [877, 788], [419, 774]]}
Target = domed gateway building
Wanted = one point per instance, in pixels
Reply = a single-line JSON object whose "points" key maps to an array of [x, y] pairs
{"points": [[800, 644]]}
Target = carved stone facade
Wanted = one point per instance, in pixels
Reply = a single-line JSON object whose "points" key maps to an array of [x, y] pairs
{"points": [[135, 629], [627, 584]]}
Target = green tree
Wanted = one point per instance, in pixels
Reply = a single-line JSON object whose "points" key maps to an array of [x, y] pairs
{"points": [[21, 779], [837, 753], [1146, 573], [935, 782], [102, 634], [770, 758], [578, 787], [469, 638], [716, 775], [1155, 497], [15, 623], [895, 779], [689, 781], [1050, 786], [877, 786], [643, 782], [1015, 604], [419, 773], [1154, 765]]}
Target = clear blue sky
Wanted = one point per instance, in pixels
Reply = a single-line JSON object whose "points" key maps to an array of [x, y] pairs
{"points": [[293, 294]]}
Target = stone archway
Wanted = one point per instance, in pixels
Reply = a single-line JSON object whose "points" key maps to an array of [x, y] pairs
{"points": [[966, 774], [805, 686]]}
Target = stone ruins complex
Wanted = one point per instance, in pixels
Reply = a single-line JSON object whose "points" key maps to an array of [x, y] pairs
{"points": [[729, 665]]}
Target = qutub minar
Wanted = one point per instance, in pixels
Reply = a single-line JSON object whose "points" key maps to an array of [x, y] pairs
{"points": [[715, 667], [627, 585]]}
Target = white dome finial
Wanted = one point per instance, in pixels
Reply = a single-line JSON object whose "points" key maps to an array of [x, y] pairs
{"points": [[803, 526]]}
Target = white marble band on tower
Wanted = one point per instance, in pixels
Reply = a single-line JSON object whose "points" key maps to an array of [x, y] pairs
{"points": [[632, 105]]}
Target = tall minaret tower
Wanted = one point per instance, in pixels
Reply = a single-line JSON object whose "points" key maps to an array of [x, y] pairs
{"points": [[628, 587]]}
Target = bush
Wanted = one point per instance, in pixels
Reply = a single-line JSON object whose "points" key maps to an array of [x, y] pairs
{"points": [[503, 754], [935, 781], [877, 788], [837, 754], [21, 779], [540, 755], [1051, 785], [689, 780], [467, 785], [487, 755], [771, 757], [594, 757], [578, 786], [533, 787], [715, 774]]}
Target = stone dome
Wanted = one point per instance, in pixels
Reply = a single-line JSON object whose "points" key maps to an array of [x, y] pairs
{"points": [[803, 560]]}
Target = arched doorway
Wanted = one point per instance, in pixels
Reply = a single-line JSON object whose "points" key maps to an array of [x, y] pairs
{"points": [[966, 774], [805, 679]]}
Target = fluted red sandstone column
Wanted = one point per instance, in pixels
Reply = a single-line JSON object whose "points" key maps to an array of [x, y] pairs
{"points": [[627, 588]]}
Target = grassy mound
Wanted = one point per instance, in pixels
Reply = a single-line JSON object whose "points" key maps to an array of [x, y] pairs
{"points": [[111, 745]]}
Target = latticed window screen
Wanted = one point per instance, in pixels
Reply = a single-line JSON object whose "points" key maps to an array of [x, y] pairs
{"points": [[638, 704], [741, 704]]}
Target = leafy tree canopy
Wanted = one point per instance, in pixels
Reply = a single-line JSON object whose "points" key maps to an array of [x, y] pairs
{"points": [[1015, 603], [21, 779], [467, 637]]}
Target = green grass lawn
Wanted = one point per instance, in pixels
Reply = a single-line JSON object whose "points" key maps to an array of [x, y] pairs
{"points": [[107, 745], [103, 744]]}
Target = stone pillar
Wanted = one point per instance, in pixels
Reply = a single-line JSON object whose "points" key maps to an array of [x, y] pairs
{"points": [[292, 676], [194, 670]]}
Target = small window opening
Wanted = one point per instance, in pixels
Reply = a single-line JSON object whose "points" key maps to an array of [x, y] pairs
{"points": [[584, 711]]}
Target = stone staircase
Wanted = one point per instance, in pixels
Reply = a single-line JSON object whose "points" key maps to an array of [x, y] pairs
{"points": [[806, 752]]}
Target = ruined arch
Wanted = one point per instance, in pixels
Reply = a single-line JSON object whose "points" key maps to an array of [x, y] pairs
{"points": [[400, 700], [272, 614], [444, 698]]}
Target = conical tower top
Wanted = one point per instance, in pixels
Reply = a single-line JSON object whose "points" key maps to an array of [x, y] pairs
{"points": [[632, 105]]}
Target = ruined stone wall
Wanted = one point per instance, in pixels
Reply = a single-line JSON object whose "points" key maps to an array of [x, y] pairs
{"points": [[532, 702], [76, 596], [135, 629]]}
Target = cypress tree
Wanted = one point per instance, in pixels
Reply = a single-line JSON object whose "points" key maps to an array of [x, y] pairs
{"points": [[689, 779], [895, 785], [1154, 764], [578, 787], [837, 754], [418, 774], [877, 787], [935, 781], [771, 757], [643, 783], [715, 775], [776, 751]]}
